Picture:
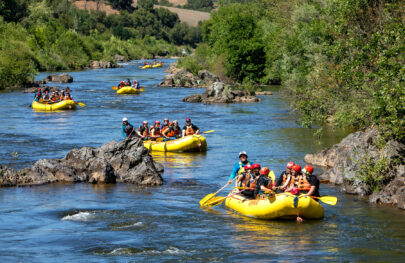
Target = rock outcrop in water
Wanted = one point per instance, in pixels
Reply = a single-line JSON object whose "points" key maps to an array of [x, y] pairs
{"points": [[358, 151], [62, 78], [125, 161], [222, 93], [95, 64], [180, 77]]}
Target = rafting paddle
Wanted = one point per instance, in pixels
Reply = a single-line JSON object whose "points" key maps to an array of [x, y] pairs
{"points": [[219, 199], [208, 197], [114, 88], [81, 104], [330, 200]]}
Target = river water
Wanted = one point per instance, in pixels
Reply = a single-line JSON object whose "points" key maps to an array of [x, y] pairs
{"points": [[125, 223]]}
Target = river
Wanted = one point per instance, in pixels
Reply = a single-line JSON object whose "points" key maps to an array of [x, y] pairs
{"points": [[126, 223]]}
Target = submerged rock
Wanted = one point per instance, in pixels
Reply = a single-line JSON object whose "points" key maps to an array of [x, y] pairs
{"points": [[343, 161], [62, 78], [125, 161], [222, 93]]}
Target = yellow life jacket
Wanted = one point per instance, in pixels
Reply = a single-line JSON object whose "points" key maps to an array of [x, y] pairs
{"points": [[241, 168]]}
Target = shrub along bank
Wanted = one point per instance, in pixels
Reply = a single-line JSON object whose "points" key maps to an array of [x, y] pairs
{"points": [[341, 61], [38, 35]]}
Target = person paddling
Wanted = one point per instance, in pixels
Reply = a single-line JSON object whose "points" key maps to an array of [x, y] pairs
{"points": [[169, 133], [38, 95], [263, 183], [127, 129], [136, 85], [177, 129], [284, 179], [189, 128], [238, 168], [144, 130], [293, 184], [155, 131]]}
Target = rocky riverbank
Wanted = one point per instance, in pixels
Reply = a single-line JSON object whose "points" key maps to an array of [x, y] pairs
{"points": [[362, 164], [126, 161], [219, 92]]}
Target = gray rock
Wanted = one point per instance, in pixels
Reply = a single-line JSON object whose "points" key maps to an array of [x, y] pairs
{"points": [[62, 78], [125, 161], [101, 64], [341, 163], [119, 58], [180, 77], [219, 92]]}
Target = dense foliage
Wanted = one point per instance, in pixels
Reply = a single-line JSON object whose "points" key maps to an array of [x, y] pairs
{"points": [[341, 61], [55, 35]]}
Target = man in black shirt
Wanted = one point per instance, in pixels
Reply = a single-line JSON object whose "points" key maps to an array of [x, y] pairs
{"points": [[263, 183], [189, 128], [284, 177]]}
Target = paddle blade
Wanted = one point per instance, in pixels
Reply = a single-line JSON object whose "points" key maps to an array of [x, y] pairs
{"points": [[209, 131], [160, 139], [142, 89], [206, 199], [272, 176], [215, 201], [114, 88], [330, 200], [81, 104]]}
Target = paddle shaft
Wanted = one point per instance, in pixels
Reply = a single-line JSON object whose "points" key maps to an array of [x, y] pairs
{"points": [[220, 201]]}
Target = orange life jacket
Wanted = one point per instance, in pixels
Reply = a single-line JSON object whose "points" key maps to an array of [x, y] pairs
{"points": [[190, 130], [171, 132], [303, 184], [157, 131], [67, 97]]}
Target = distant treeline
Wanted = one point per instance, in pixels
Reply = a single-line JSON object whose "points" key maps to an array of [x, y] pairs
{"points": [[37, 35], [341, 61]]}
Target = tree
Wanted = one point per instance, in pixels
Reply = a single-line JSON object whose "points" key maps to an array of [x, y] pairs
{"points": [[13, 10], [122, 5]]}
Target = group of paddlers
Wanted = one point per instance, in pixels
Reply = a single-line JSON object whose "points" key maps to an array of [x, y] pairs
{"points": [[135, 84], [169, 130], [53, 97], [257, 182], [153, 63]]}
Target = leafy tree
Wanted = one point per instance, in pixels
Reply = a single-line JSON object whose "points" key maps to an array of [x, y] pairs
{"points": [[13, 10]]}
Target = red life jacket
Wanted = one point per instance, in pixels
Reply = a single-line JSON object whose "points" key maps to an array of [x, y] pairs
{"points": [[156, 130]]}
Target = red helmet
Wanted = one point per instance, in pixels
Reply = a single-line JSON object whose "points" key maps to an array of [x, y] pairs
{"points": [[256, 165], [290, 165], [122, 81], [297, 168], [264, 171], [247, 167], [39, 89], [308, 169], [188, 120], [171, 123], [157, 122]]}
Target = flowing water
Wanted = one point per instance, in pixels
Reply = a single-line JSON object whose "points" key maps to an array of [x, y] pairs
{"points": [[125, 223]]}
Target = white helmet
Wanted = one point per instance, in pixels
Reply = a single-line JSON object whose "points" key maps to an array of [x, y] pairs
{"points": [[242, 153], [124, 119]]}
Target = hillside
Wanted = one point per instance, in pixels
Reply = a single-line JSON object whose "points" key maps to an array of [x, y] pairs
{"points": [[191, 17], [90, 5]]}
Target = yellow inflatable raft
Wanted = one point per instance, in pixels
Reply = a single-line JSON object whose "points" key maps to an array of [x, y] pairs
{"points": [[63, 105], [191, 143], [157, 65], [278, 206], [146, 66], [128, 90]]}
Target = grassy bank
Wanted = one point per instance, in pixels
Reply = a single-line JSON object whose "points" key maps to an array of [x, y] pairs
{"points": [[340, 61], [39, 35]]}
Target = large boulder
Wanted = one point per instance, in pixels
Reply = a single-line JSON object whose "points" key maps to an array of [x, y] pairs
{"points": [[219, 92], [101, 64], [125, 161], [344, 161], [62, 78], [180, 77]]}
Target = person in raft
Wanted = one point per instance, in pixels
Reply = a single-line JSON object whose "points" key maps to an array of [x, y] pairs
{"points": [[264, 184], [165, 124], [238, 168], [38, 95], [136, 85], [284, 179], [177, 129], [144, 130], [127, 129], [155, 131], [189, 128]]}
